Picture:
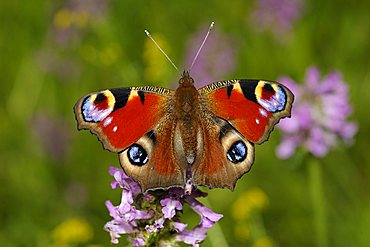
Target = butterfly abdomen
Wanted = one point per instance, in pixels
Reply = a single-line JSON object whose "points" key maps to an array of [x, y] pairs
{"points": [[187, 124]]}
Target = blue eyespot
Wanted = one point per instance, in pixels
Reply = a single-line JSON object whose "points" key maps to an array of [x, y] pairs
{"points": [[137, 155], [276, 102], [92, 111], [237, 152]]}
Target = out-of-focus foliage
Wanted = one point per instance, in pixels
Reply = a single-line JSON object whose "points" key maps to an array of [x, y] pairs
{"points": [[54, 179]]}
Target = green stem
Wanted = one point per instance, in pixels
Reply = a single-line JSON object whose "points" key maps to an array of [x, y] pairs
{"points": [[318, 201]]}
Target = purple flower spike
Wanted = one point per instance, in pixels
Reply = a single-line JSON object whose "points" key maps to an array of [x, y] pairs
{"points": [[125, 214], [153, 217], [319, 115]]}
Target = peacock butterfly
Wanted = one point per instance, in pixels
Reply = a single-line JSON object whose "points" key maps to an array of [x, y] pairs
{"points": [[168, 138], [186, 137]]}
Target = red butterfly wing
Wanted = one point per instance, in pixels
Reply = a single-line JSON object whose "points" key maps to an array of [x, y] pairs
{"points": [[136, 123], [253, 107], [119, 117]]}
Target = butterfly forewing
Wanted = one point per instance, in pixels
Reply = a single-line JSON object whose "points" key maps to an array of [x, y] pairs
{"points": [[121, 116], [253, 107]]}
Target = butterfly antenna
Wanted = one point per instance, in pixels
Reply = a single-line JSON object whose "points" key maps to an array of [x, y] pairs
{"points": [[201, 46], [150, 37]]}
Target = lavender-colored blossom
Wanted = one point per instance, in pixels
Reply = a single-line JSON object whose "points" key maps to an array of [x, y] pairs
{"points": [[277, 16], [207, 219], [138, 242], [125, 215], [156, 227], [319, 115], [170, 204], [194, 237], [124, 181], [214, 61], [179, 226], [155, 214]]}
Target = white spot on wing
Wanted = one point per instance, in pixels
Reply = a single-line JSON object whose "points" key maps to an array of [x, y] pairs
{"points": [[107, 121], [257, 121], [115, 128], [263, 112]]}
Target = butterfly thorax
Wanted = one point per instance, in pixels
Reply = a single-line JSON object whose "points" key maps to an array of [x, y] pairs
{"points": [[187, 127], [186, 97]]}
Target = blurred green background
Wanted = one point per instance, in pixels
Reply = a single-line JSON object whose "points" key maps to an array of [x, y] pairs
{"points": [[54, 180]]}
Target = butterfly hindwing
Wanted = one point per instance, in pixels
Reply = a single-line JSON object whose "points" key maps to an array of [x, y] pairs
{"points": [[151, 161], [226, 155], [253, 107]]}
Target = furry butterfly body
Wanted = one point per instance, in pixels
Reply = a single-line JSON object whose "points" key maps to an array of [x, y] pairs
{"points": [[168, 138]]}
